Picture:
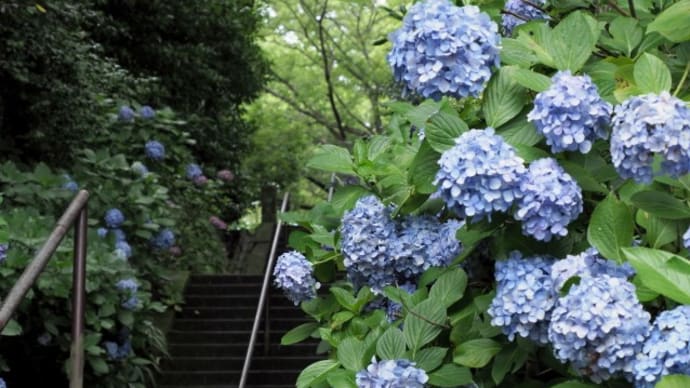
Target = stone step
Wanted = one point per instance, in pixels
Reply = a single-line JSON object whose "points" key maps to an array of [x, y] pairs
{"points": [[219, 337], [203, 377], [225, 279], [230, 386], [237, 362], [208, 312], [279, 324], [305, 349], [225, 288], [243, 300]]}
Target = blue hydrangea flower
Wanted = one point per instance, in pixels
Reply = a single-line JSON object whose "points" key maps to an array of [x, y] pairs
{"points": [[146, 112], [587, 264], [123, 250], [126, 114], [132, 303], [421, 243], [154, 150], [44, 339], [647, 125], [667, 350], [570, 113], [193, 171], [294, 274], [127, 285], [686, 239], [114, 218], [550, 200], [599, 326], [130, 286], [525, 297], [140, 169], [480, 174], [115, 351], [102, 232], [366, 232], [70, 184], [3, 252], [2, 383], [394, 309], [525, 12], [400, 373], [119, 235], [446, 50], [164, 240]]}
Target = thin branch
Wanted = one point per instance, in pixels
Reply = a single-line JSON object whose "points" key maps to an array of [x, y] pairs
{"points": [[617, 7], [631, 5]]}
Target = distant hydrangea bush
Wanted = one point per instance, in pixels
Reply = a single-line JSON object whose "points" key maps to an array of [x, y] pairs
{"points": [[570, 113], [163, 240], [587, 264], [294, 274], [481, 174], [126, 114], [226, 175], [648, 125], [667, 350], [154, 150], [218, 223], [140, 169], [525, 297], [599, 327], [114, 218], [193, 171], [520, 12], [146, 112], [3, 252], [442, 49], [686, 239], [123, 250], [391, 374], [550, 199]]}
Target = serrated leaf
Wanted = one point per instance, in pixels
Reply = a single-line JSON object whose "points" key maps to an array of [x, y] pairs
{"points": [[449, 288], [442, 130], [673, 22], [13, 328], [391, 345], [332, 158], [626, 34], [660, 231], [315, 373], [298, 333], [573, 40], [430, 358], [651, 74], [661, 204], [661, 271], [476, 353], [424, 168], [529, 79], [574, 384], [419, 115], [344, 298], [611, 228], [674, 381], [515, 52], [503, 99], [450, 375], [423, 323], [519, 131], [351, 352]]}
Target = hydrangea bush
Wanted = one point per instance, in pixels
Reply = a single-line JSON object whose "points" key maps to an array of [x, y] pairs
{"points": [[555, 160]]}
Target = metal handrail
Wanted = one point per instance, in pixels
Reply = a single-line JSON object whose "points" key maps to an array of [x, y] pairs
{"points": [[76, 214], [262, 299]]}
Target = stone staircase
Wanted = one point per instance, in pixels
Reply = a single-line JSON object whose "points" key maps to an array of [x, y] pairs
{"points": [[209, 337]]}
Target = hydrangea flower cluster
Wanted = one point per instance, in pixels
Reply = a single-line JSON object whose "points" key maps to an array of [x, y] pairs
{"points": [[154, 150], [423, 243], [114, 218], [126, 114], [524, 11], [391, 374], [525, 297], [118, 350], [550, 200], [647, 125], [599, 326], [218, 223], [163, 240], [366, 231], [200, 180], [3, 252], [686, 239], [2, 383], [123, 250], [667, 350], [294, 274], [193, 171], [146, 112], [442, 49], [570, 113], [44, 339], [70, 184], [480, 174], [226, 175], [140, 169], [130, 287], [587, 264]]}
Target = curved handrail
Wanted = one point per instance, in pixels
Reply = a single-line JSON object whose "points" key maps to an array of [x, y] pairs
{"points": [[76, 214], [262, 297]]}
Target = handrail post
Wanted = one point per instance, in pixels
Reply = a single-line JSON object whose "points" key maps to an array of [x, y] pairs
{"points": [[78, 301]]}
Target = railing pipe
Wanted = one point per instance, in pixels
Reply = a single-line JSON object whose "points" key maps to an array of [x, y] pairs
{"points": [[262, 297], [78, 301]]}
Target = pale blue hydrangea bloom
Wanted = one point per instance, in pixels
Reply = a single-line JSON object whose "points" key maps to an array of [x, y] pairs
{"points": [[570, 113], [294, 274], [525, 297], [550, 200], [193, 171], [599, 327], [126, 114], [587, 264], [146, 112], [154, 150], [366, 233], [667, 350], [442, 49], [400, 373], [686, 239], [2, 383], [115, 351], [119, 234], [114, 218], [647, 125], [123, 250], [526, 12], [480, 174], [130, 286], [3, 252], [70, 184], [102, 232], [127, 285], [421, 243], [164, 240], [140, 169]]}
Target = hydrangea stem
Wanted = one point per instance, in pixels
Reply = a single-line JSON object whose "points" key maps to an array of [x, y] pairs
{"points": [[631, 5], [682, 80]]}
